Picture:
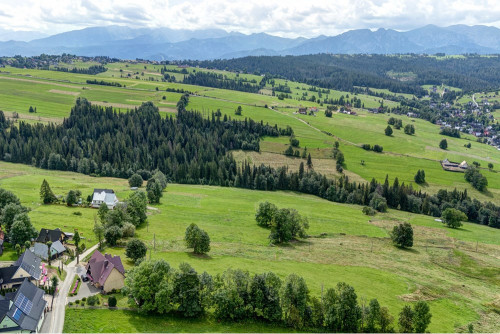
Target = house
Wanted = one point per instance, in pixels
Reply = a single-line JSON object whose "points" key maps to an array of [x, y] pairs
{"points": [[26, 267], [41, 250], [47, 235], [106, 196], [106, 271], [23, 311], [303, 111]]}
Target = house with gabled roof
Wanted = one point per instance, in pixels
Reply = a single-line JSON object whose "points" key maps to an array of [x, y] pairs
{"points": [[47, 235], [104, 196], [41, 250], [23, 311], [106, 271], [26, 267]]}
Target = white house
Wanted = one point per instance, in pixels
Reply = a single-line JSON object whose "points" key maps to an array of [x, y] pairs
{"points": [[106, 196]]}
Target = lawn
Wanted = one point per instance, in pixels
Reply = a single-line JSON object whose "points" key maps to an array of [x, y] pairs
{"points": [[123, 321]]}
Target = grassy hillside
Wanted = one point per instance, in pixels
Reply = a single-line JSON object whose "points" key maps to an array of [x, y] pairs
{"points": [[456, 271]]}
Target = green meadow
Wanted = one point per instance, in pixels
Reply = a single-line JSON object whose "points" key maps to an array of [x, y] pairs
{"points": [[456, 271]]}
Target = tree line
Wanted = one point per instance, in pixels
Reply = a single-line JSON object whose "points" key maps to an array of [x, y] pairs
{"points": [[471, 73], [221, 81], [155, 287], [92, 70]]}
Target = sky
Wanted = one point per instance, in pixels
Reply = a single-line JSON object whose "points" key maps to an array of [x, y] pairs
{"points": [[287, 18]]}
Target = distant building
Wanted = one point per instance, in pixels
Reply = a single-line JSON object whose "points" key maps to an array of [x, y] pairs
{"points": [[23, 311], [106, 271], [104, 196], [303, 111], [454, 166]]}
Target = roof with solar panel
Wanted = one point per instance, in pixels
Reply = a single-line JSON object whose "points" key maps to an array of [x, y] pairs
{"points": [[28, 305]]}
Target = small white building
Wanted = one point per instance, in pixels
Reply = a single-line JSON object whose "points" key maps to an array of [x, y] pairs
{"points": [[104, 196]]}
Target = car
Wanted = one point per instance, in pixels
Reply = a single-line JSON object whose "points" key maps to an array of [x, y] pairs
{"points": [[84, 278]]}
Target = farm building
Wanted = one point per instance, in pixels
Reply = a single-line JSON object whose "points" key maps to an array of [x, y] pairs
{"points": [[454, 166]]}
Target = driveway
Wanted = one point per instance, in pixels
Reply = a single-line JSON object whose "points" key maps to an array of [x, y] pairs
{"points": [[86, 290], [56, 322]]}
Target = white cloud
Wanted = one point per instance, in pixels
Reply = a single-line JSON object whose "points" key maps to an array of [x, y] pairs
{"points": [[289, 18]]}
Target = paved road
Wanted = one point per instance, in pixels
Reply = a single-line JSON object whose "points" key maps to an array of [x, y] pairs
{"points": [[57, 314]]}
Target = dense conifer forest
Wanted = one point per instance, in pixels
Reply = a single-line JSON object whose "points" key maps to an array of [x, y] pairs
{"points": [[470, 73]]}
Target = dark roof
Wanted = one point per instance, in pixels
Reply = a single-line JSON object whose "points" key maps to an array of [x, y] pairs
{"points": [[28, 305], [46, 235], [31, 263], [100, 266], [41, 250], [4, 306], [107, 191], [6, 274]]}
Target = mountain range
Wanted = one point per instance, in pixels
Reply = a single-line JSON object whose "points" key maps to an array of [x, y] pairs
{"points": [[170, 44]]}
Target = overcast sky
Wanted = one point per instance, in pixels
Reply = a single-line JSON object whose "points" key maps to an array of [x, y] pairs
{"points": [[290, 18]]}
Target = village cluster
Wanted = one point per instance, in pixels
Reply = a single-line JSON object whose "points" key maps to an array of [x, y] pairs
{"points": [[24, 301]]}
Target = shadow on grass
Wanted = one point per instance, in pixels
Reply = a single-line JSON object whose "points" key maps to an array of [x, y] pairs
{"points": [[459, 229], [199, 256], [487, 193], [408, 250]]}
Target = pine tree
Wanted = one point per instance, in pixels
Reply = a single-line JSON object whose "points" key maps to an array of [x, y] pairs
{"points": [[388, 131], [309, 162], [46, 194]]}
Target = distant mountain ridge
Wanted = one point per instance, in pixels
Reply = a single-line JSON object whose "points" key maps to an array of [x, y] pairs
{"points": [[170, 44]]}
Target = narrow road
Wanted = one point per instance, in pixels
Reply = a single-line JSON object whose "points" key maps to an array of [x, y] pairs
{"points": [[474, 100], [59, 309]]}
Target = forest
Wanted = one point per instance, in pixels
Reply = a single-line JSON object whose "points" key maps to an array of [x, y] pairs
{"points": [[470, 72], [192, 149]]}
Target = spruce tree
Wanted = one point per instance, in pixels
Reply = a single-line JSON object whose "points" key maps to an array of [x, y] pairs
{"points": [[46, 194]]}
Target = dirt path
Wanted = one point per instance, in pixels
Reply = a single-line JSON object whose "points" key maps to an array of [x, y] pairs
{"points": [[65, 92], [39, 82]]}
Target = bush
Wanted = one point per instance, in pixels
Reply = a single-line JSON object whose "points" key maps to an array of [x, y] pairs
{"points": [[112, 301], [377, 148], [77, 302], [92, 300], [369, 211], [367, 147]]}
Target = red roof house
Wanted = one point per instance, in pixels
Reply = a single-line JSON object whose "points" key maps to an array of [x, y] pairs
{"points": [[106, 271]]}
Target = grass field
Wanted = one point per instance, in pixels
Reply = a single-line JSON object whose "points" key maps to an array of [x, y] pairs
{"points": [[460, 283]]}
